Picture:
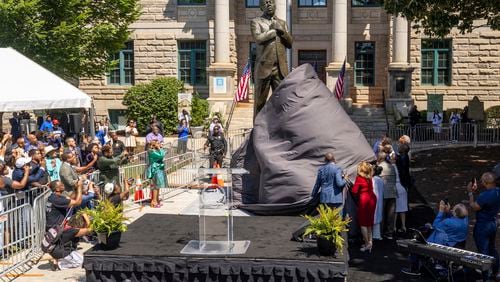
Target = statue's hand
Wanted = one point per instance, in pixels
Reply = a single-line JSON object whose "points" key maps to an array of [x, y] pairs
{"points": [[277, 26], [279, 32]]}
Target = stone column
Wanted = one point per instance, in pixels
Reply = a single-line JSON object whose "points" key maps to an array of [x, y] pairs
{"points": [[222, 31], [339, 48], [400, 41], [399, 98], [281, 9], [221, 72]]}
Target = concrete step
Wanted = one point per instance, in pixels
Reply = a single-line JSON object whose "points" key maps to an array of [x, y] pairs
{"points": [[369, 106], [244, 105]]}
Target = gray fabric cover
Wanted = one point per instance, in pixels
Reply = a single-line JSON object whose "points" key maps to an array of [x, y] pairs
{"points": [[301, 121]]}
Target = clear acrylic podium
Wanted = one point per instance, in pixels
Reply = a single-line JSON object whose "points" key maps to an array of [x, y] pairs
{"points": [[216, 218]]}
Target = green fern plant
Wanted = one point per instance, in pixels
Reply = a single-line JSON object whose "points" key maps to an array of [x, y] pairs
{"points": [[106, 218], [329, 224]]}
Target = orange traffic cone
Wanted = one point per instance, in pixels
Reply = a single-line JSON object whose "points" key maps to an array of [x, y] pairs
{"points": [[214, 176], [220, 180]]}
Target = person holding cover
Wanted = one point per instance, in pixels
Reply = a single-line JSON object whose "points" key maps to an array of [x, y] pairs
{"points": [[367, 202], [330, 183], [156, 171]]}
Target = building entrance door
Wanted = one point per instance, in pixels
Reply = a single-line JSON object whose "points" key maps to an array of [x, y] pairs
{"points": [[317, 58]]}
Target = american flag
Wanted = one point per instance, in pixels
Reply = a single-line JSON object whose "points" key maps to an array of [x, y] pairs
{"points": [[339, 86], [242, 93]]}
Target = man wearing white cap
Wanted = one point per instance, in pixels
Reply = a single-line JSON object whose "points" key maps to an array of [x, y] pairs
{"points": [[18, 173]]}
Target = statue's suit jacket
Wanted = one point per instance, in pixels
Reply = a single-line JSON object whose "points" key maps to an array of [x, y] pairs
{"points": [[270, 49]]}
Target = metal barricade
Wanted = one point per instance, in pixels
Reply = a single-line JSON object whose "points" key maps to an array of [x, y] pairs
{"points": [[22, 226], [39, 216], [94, 176], [139, 158], [17, 226], [236, 140], [177, 177], [422, 134]]}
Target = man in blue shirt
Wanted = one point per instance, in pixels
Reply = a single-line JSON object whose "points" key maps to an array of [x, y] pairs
{"points": [[47, 125], [331, 182], [487, 207], [450, 228], [32, 143]]}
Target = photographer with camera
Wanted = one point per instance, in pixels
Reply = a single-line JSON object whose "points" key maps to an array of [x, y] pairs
{"points": [[450, 225], [486, 206], [448, 229], [108, 165], [58, 209]]}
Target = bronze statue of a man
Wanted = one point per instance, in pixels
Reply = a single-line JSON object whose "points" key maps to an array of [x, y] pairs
{"points": [[272, 37]]}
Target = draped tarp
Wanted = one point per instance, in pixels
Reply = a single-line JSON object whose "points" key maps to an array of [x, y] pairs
{"points": [[301, 121]]}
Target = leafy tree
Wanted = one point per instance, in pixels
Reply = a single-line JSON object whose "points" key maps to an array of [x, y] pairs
{"points": [[437, 18], [72, 38], [157, 97], [199, 110]]}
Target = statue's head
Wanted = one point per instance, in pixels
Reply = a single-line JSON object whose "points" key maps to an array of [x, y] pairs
{"points": [[268, 7]]}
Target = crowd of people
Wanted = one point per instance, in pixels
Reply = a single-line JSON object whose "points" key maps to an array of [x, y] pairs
{"points": [[379, 189], [380, 193], [48, 159], [455, 119]]}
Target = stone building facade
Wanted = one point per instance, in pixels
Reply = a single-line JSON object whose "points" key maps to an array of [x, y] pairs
{"points": [[207, 43]]}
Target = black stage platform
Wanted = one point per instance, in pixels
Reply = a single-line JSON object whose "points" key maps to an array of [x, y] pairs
{"points": [[150, 251]]}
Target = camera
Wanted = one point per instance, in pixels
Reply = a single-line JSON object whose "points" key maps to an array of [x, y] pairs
{"points": [[86, 184]]}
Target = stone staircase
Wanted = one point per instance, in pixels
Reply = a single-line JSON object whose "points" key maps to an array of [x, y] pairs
{"points": [[370, 119], [242, 116]]}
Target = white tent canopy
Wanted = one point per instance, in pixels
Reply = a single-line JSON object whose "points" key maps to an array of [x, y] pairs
{"points": [[25, 85]]}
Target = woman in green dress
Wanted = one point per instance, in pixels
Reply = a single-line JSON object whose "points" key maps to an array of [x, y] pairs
{"points": [[156, 171]]}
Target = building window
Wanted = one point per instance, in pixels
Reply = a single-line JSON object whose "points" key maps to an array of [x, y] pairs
{"points": [[436, 62], [123, 72], [365, 3], [317, 58], [118, 119], [191, 2], [193, 62], [252, 3], [312, 3], [364, 64]]}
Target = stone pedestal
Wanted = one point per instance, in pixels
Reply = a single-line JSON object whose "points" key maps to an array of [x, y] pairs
{"points": [[399, 89], [332, 74], [221, 86]]}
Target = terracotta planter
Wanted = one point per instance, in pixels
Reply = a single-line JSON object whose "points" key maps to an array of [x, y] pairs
{"points": [[326, 247], [110, 242]]}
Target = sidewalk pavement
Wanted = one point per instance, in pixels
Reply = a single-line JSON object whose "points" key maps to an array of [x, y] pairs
{"points": [[182, 201]]}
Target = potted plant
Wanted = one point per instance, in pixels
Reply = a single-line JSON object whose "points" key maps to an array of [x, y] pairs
{"points": [[328, 227], [108, 222]]}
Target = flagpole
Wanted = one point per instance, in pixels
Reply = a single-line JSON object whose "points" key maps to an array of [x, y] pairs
{"points": [[235, 99]]}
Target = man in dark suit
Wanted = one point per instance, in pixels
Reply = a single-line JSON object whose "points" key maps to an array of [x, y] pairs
{"points": [[272, 37], [15, 126]]}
